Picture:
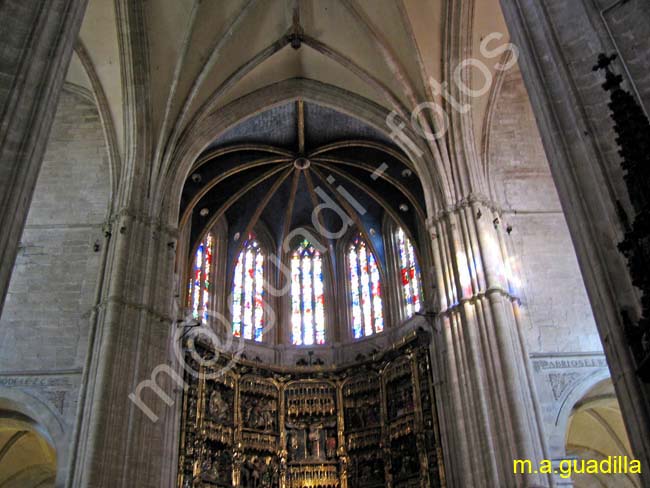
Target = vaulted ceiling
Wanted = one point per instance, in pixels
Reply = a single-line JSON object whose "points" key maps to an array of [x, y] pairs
{"points": [[26, 455], [211, 52], [274, 170], [596, 431]]}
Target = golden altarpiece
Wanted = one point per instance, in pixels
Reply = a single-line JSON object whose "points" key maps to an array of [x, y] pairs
{"points": [[370, 424]]}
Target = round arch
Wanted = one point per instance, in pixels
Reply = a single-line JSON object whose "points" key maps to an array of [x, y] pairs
{"points": [[595, 432], [23, 412], [573, 397]]}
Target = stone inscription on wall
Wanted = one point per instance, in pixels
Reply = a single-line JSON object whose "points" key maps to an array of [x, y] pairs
{"points": [[558, 378], [589, 362], [35, 381], [58, 391], [560, 373]]}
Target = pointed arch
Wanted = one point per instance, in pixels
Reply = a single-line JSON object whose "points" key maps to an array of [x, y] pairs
{"points": [[409, 274], [200, 293], [307, 295], [196, 140], [100, 99], [365, 289], [248, 316]]}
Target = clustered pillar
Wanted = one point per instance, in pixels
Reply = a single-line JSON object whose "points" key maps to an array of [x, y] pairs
{"points": [[118, 444], [488, 393]]}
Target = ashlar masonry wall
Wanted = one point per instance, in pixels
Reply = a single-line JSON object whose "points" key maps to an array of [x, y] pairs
{"points": [[45, 322], [559, 328]]}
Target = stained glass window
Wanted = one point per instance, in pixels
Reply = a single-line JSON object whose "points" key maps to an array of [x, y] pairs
{"points": [[200, 286], [307, 296], [248, 292], [365, 290], [409, 274]]}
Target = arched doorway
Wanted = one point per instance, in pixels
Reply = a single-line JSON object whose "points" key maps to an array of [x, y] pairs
{"points": [[27, 457], [596, 431]]}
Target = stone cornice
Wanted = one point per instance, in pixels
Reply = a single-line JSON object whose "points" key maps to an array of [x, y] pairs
{"points": [[156, 223], [468, 201], [116, 300]]}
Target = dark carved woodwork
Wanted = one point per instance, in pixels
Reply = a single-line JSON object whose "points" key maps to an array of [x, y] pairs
{"points": [[633, 138]]}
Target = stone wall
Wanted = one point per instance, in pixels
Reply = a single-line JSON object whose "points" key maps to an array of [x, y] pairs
{"points": [[563, 342], [627, 24], [45, 322], [562, 380], [559, 42], [552, 289], [580, 49]]}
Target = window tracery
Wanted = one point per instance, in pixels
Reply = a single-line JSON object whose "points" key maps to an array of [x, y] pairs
{"points": [[409, 274], [307, 296], [200, 285], [248, 292], [365, 290]]}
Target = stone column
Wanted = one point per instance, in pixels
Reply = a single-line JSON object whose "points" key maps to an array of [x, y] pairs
{"points": [[36, 43], [559, 42], [488, 394], [120, 444]]}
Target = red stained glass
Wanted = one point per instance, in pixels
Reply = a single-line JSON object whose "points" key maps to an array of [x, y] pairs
{"points": [[365, 296], [409, 272], [199, 292], [248, 292]]}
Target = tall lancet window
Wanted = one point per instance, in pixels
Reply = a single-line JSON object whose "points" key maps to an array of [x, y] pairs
{"points": [[248, 292], [365, 290], [409, 274], [200, 288], [307, 296]]}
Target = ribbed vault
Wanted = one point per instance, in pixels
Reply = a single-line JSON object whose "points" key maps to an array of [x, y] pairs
{"points": [[596, 431], [26, 457], [196, 58], [276, 170]]}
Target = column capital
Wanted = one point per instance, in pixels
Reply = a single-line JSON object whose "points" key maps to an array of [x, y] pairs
{"points": [[126, 214], [492, 291], [472, 200]]}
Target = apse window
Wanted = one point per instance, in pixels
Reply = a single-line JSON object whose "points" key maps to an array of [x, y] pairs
{"points": [[248, 292], [200, 286], [409, 274], [365, 290], [307, 296]]}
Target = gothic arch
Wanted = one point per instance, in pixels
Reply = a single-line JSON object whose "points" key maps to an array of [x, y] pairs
{"points": [[267, 248], [331, 305], [201, 135], [595, 430], [344, 286], [108, 125], [486, 136], [574, 396], [47, 423]]}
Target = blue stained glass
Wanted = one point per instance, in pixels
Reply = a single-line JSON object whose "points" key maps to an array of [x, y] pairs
{"points": [[409, 274], [307, 296], [365, 290], [199, 291], [248, 292]]}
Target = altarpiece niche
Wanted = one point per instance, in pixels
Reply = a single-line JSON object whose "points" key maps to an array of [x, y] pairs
{"points": [[370, 424]]}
